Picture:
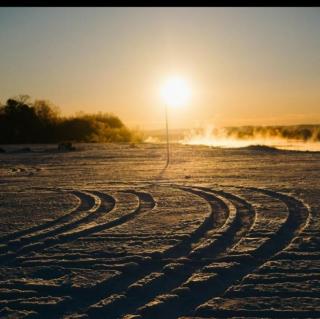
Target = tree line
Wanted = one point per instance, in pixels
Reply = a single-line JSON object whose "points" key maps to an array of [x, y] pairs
{"points": [[23, 121], [304, 132]]}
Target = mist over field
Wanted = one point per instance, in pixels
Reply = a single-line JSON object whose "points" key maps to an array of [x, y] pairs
{"points": [[305, 137], [306, 132]]}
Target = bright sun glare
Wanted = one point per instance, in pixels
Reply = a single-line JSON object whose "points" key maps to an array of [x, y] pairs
{"points": [[175, 92]]}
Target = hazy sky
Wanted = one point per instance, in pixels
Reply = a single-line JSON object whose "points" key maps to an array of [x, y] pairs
{"points": [[244, 65]]}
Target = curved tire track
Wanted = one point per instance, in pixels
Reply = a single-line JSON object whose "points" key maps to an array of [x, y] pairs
{"points": [[161, 279], [194, 292], [296, 221], [84, 200], [146, 203], [180, 281]]}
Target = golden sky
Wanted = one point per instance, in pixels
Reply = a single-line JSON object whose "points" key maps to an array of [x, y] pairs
{"points": [[245, 66]]}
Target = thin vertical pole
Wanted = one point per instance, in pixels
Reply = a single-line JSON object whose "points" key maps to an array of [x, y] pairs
{"points": [[167, 128]]}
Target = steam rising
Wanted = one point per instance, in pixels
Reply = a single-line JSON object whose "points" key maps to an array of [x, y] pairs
{"points": [[299, 137]]}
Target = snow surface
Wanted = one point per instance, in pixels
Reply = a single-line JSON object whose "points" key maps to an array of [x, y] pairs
{"points": [[107, 232]]}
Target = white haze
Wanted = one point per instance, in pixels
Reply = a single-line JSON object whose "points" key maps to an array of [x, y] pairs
{"points": [[214, 137]]}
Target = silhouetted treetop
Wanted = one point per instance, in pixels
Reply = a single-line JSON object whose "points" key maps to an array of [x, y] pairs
{"points": [[22, 121]]}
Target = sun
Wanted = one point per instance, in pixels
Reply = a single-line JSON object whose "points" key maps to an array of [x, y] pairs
{"points": [[176, 91]]}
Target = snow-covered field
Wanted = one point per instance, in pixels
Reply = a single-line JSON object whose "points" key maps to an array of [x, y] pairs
{"points": [[107, 232]]}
